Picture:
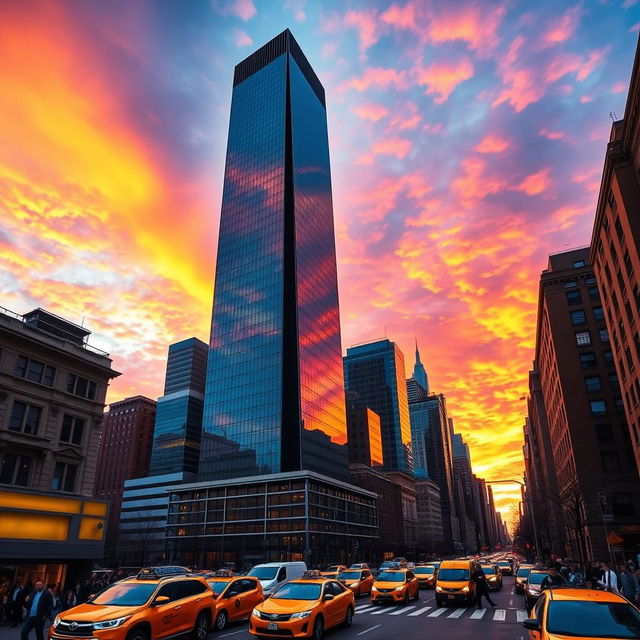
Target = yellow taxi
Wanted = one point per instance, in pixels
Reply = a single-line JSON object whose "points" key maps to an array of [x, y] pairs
{"points": [[427, 575], [522, 576], [304, 608], [160, 602], [235, 597], [359, 581], [582, 614], [493, 576], [395, 585], [454, 582], [333, 570]]}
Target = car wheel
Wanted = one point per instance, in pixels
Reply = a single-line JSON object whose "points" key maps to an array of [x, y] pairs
{"points": [[348, 618], [318, 628], [201, 630], [221, 620], [138, 634]]}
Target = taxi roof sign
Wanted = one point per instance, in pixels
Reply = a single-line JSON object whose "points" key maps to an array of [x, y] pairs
{"points": [[153, 573]]}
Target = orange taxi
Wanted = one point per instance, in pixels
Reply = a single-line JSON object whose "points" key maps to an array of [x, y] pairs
{"points": [[395, 585], [427, 575], [303, 608], [235, 597], [359, 581], [333, 570], [582, 614]]}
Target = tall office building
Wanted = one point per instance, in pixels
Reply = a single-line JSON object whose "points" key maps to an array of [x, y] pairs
{"points": [[420, 373], [124, 452], [598, 489], [274, 400], [375, 373], [365, 439], [615, 251], [178, 427]]}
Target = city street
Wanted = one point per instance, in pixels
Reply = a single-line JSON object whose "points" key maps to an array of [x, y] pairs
{"points": [[418, 618]]}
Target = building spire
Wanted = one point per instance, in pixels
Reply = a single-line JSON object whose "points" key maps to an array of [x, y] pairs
{"points": [[419, 372]]}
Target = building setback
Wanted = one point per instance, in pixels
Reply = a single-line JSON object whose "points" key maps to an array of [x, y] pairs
{"points": [[52, 390], [615, 252], [124, 452], [365, 439], [375, 373], [598, 486]]}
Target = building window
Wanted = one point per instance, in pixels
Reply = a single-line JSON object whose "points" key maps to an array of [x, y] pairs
{"points": [[608, 357], [598, 314], [604, 335], [590, 280], [613, 381], [594, 294], [81, 387], [619, 406], [611, 199], [610, 460], [583, 338], [578, 317], [15, 469], [578, 263], [72, 429], [588, 360], [34, 371], [25, 418], [593, 383], [604, 433], [598, 408], [570, 284], [64, 477], [573, 297], [622, 504]]}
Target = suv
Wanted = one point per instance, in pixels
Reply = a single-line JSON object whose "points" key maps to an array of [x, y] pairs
{"points": [[157, 603]]}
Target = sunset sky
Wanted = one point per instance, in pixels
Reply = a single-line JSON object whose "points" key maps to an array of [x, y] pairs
{"points": [[467, 141]]}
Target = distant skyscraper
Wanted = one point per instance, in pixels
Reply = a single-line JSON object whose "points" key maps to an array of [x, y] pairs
{"points": [[420, 373], [177, 434], [375, 372], [274, 400]]}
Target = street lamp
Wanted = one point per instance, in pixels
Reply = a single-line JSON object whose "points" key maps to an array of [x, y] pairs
{"points": [[526, 499]]}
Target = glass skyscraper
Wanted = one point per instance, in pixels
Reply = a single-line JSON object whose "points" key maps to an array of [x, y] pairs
{"points": [[274, 399], [375, 373]]}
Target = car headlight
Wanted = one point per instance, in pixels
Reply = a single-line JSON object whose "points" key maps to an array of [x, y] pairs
{"points": [[374, 588], [110, 624], [301, 614], [399, 588], [353, 586], [255, 613], [465, 589], [438, 589], [56, 622]]}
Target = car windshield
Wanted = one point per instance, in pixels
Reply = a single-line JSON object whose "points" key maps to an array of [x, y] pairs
{"points": [[390, 576], [489, 571], [263, 573], [523, 572], [537, 578], [349, 575], [593, 619], [503, 563], [218, 585], [333, 568], [125, 594], [298, 591], [453, 574], [424, 570]]}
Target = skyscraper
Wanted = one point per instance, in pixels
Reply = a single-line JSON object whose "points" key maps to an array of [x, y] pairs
{"points": [[274, 400], [420, 373], [375, 373]]}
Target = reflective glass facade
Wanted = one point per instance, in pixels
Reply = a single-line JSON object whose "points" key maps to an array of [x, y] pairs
{"points": [[178, 427], [375, 373], [274, 400]]}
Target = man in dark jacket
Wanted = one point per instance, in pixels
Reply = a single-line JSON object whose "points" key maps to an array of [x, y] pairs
{"points": [[39, 605], [17, 595], [554, 579], [482, 588]]}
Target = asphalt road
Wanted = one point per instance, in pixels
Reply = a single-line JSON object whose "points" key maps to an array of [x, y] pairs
{"points": [[421, 618]]}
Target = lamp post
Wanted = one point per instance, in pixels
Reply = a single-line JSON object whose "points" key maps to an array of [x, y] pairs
{"points": [[533, 515]]}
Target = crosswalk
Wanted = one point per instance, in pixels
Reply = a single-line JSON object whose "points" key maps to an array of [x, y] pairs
{"points": [[470, 613]]}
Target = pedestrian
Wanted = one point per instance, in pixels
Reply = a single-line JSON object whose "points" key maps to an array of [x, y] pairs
{"points": [[629, 586], [17, 595], [554, 579], [575, 578], [482, 588], [68, 600], [609, 580], [39, 605]]}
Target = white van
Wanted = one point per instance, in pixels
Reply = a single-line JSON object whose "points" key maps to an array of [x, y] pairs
{"points": [[273, 574]]}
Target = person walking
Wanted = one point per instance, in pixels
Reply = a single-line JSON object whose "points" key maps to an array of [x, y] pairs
{"points": [[609, 579], [482, 588], [17, 595], [629, 586], [39, 605]]}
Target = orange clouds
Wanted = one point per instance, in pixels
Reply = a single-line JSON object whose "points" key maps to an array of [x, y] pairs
{"points": [[441, 78], [563, 28], [379, 78], [535, 183], [492, 144], [371, 111], [398, 147]]}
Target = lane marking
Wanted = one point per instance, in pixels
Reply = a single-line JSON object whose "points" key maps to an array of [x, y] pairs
{"points": [[401, 611], [500, 615], [419, 612], [368, 608], [380, 609], [477, 614], [521, 615], [235, 633], [436, 613], [367, 630], [457, 613], [511, 602]]}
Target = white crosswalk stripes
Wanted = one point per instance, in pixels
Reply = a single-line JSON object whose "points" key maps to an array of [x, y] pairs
{"points": [[477, 614], [507, 615], [500, 615], [419, 612], [401, 611], [457, 613], [521, 615], [437, 612]]}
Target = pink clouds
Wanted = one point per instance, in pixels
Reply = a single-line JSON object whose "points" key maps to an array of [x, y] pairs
{"points": [[366, 26], [492, 144], [371, 111], [441, 78], [402, 17], [243, 9], [552, 135], [242, 38], [619, 87], [398, 147], [377, 77], [563, 28], [536, 183], [406, 116]]}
